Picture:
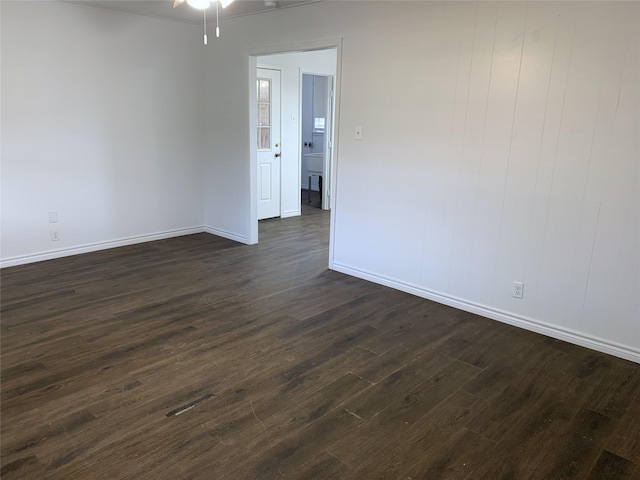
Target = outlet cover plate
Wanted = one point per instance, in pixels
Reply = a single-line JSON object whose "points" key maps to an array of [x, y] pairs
{"points": [[517, 290]]}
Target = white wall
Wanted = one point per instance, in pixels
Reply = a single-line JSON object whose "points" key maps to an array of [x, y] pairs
{"points": [[102, 122], [500, 139], [322, 62]]}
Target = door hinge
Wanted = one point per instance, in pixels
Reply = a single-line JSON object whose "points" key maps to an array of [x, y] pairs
{"points": [[331, 94], [330, 144]]}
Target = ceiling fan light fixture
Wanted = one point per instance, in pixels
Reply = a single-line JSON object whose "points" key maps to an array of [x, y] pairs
{"points": [[203, 5], [199, 4]]}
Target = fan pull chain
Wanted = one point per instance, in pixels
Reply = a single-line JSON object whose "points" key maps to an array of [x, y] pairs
{"points": [[204, 12], [217, 21]]}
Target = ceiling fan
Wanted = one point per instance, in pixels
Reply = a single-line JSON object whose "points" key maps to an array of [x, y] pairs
{"points": [[204, 5]]}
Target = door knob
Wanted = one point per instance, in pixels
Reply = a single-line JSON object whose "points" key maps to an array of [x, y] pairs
{"points": [[277, 155]]}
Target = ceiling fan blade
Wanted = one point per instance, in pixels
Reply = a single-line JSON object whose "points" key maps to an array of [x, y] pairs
{"points": [[177, 2]]}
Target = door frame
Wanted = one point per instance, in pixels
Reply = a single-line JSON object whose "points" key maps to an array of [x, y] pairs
{"points": [[251, 118]]}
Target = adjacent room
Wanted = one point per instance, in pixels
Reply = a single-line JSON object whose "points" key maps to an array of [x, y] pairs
{"points": [[320, 239]]}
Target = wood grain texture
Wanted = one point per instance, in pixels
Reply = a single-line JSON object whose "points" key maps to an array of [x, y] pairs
{"points": [[198, 358]]}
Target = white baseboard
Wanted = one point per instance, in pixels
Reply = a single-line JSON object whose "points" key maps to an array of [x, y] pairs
{"points": [[290, 213], [94, 247], [225, 234], [567, 335]]}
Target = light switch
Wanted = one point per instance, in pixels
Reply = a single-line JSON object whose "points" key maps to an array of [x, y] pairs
{"points": [[358, 135], [53, 216]]}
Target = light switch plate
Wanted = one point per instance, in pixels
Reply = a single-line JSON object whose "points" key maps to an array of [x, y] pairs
{"points": [[358, 135]]}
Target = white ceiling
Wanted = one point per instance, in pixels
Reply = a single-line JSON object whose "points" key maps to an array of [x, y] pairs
{"points": [[184, 13]]}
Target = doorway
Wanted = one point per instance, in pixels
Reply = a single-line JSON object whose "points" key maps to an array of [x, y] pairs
{"points": [[317, 58], [293, 166], [316, 122]]}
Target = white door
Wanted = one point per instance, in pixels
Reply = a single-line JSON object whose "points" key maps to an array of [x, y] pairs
{"points": [[268, 130]]}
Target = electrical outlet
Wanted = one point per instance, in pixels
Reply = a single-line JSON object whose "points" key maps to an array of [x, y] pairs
{"points": [[518, 290], [55, 235]]}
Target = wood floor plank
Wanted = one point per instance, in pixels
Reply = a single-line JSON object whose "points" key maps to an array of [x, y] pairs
{"points": [[625, 442], [373, 401], [517, 453], [403, 412], [456, 458], [610, 466], [321, 467], [574, 452], [381, 453]]}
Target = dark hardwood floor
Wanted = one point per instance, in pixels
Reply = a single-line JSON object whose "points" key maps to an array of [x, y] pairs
{"points": [[200, 358]]}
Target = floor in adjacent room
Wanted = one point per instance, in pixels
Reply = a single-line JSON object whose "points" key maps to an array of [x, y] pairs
{"points": [[200, 358]]}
